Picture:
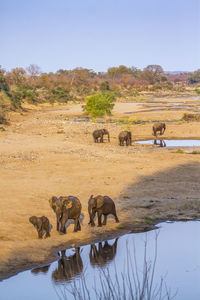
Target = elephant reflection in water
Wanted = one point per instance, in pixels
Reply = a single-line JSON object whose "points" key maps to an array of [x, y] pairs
{"points": [[68, 266], [161, 143], [40, 270], [104, 254]]}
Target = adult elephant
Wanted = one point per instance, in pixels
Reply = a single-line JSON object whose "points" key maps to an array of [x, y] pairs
{"points": [[102, 205], [125, 137], [103, 254], [66, 207], [98, 135], [161, 127], [68, 267]]}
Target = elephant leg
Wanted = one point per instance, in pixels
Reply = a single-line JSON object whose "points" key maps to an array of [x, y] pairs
{"points": [[40, 233], [47, 234], [79, 225], [105, 220], [92, 215], [58, 225], [116, 218], [101, 139], [63, 222], [76, 224], [99, 219]]}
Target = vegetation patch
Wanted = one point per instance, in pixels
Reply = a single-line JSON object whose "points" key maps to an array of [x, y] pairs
{"points": [[191, 117], [196, 152], [148, 220], [120, 227], [180, 151], [99, 104]]}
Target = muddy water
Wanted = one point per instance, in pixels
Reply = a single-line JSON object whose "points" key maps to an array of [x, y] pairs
{"points": [[119, 267], [172, 143]]}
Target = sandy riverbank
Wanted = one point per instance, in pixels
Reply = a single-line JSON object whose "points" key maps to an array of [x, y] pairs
{"points": [[44, 154]]}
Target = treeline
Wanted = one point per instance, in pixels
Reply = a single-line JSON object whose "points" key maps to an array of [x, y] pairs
{"points": [[33, 86]]}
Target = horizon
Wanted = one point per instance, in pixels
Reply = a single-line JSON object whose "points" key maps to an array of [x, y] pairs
{"points": [[65, 34], [79, 67]]}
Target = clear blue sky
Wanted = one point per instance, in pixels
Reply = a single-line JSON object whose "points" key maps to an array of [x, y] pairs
{"points": [[98, 34]]}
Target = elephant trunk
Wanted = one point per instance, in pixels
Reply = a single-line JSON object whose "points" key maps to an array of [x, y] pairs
{"points": [[108, 137], [90, 213]]}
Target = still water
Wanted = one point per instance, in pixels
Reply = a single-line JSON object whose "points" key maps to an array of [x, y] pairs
{"points": [[172, 143], [163, 262]]}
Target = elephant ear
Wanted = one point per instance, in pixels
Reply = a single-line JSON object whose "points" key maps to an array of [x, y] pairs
{"points": [[100, 201], [68, 204], [52, 200]]}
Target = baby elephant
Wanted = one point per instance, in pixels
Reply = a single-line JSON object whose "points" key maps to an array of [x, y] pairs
{"points": [[125, 136], [42, 225], [159, 127], [102, 205]]}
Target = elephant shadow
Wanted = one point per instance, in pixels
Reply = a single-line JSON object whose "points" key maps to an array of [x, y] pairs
{"points": [[103, 254], [43, 269], [68, 267]]}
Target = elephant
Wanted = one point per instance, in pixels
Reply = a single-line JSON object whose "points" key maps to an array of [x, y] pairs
{"points": [[159, 127], [102, 205], [104, 254], [42, 225], [66, 207], [125, 136], [56, 204], [68, 267], [98, 135], [43, 269], [161, 143]]}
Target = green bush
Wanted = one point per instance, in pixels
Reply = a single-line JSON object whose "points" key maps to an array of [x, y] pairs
{"points": [[60, 94], [5, 105], [180, 151], [99, 104], [104, 86], [197, 90]]}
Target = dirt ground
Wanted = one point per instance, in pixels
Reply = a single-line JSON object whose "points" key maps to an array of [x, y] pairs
{"points": [[44, 152]]}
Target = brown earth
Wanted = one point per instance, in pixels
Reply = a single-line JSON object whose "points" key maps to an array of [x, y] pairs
{"points": [[43, 153]]}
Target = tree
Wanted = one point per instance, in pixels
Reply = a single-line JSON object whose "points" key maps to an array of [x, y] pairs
{"points": [[33, 70], [104, 86], [3, 83], [153, 73], [194, 77], [17, 76], [99, 104]]}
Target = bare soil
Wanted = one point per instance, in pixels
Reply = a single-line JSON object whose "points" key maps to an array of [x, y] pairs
{"points": [[43, 153]]}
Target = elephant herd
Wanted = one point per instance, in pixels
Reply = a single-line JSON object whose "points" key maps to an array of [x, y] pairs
{"points": [[125, 137], [69, 208], [68, 267]]}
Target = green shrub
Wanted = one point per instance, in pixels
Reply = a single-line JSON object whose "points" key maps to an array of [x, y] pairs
{"points": [[104, 86], [195, 152], [99, 104], [148, 220], [60, 94], [197, 90], [5, 105], [181, 151]]}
